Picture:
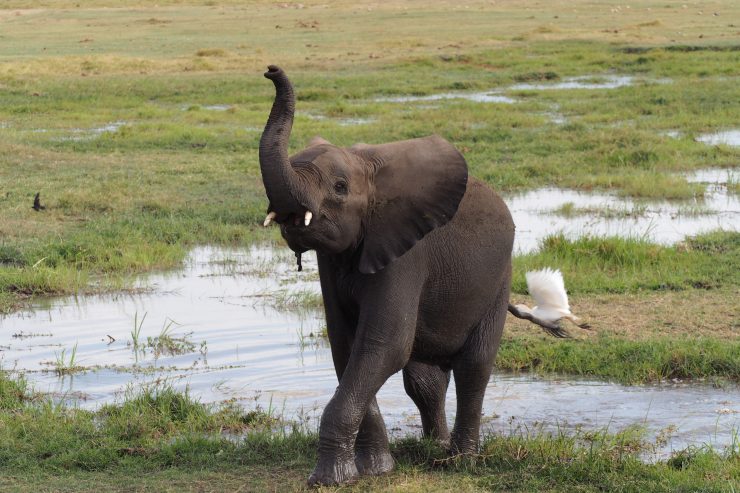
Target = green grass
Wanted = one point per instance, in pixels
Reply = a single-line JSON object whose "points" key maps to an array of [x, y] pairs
{"points": [[569, 209], [165, 343], [152, 419], [172, 174], [607, 357], [624, 265], [159, 439], [14, 392]]}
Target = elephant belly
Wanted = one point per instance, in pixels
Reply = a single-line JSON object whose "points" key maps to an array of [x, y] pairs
{"points": [[449, 312]]}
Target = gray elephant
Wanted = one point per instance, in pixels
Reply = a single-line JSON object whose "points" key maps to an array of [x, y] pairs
{"points": [[414, 259]]}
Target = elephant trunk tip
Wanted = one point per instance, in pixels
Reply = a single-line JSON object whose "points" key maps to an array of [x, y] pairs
{"points": [[273, 71]]}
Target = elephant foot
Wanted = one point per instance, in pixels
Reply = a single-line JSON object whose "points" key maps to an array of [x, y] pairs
{"points": [[335, 472], [462, 446], [374, 463]]}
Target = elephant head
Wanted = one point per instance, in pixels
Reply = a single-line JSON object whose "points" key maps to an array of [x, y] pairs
{"points": [[373, 201]]}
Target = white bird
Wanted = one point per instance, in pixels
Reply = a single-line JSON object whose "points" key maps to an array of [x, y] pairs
{"points": [[547, 288]]}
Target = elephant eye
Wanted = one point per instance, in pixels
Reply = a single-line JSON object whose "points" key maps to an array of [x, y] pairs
{"points": [[340, 187]]}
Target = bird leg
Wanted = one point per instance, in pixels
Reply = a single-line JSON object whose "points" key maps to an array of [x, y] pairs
{"points": [[554, 329]]}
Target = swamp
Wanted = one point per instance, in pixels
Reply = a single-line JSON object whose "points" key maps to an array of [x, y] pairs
{"points": [[155, 337]]}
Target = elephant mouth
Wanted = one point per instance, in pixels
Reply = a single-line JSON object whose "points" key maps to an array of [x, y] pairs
{"points": [[299, 230], [297, 220]]}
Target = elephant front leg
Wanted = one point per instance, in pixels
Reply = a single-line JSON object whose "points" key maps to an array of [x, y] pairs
{"points": [[336, 463], [371, 453], [354, 403]]}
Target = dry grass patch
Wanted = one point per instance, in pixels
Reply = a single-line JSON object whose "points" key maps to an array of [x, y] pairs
{"points": [[42, 41], [647, 315]]}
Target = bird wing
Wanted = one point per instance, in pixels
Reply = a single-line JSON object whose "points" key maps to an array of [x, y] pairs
{"points": [[547, 288]]}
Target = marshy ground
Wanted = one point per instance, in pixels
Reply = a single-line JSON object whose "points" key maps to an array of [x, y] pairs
{"points": [[610, 129]]}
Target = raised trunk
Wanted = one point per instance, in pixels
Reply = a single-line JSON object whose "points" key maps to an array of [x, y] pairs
{"points": [[281, 182]]}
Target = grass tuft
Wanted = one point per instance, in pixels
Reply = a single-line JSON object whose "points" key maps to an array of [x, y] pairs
{"points": [[14, 392], [64, 365], [215, 52]]}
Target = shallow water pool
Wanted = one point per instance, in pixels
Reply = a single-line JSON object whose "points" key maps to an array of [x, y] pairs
{"points": [[536, 213], [242, 340]]}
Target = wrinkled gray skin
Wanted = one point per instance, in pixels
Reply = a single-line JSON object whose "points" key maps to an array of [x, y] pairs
{"points": [[415, 265]]}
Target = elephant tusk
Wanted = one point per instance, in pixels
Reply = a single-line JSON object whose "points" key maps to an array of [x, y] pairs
{"points": [[269, 218], [307, 219]]}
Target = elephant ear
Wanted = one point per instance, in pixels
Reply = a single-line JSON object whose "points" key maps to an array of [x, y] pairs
{"points": [[418, 187]]}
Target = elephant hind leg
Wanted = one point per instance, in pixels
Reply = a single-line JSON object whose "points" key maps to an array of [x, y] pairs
{"points": [[427, 387], [472, 370], [372, 456]]}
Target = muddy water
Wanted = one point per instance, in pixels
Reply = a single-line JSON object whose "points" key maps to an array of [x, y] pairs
{"points": [[239, 345]]}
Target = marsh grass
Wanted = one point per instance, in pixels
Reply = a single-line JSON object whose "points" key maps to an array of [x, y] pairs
{"points": [[733, 183], [569, 209], [606, 357], [136, 331], [625, 265], [693, 210], [66, 363], [134, 442], [292, 299], [137, 195], [14, 392], [152, 423], [167, 343]]}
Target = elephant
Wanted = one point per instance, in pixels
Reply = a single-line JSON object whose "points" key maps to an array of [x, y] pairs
{"points": [[414, 259]]}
